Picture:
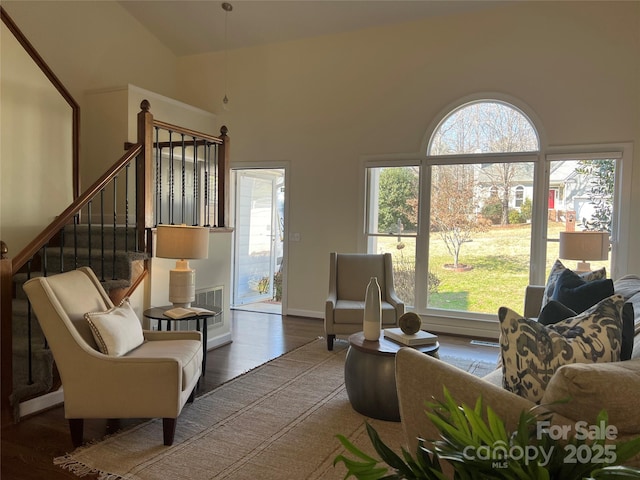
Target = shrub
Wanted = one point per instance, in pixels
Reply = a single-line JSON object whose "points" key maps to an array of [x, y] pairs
{"points": [[515, 217], [403, 279], [492, 210]]}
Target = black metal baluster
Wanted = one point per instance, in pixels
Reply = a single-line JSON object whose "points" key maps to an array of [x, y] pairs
{"points": [[171, 179], [158, 213], [126, 208], [102, 235], [62, 239], [207, 166], [196, 190], [76, 219], [184, 182], [216, 179], [89, 238], [115, 219], [29, 332]]}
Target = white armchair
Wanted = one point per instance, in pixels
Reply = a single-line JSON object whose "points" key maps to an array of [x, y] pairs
{"points": [[154, 379], [349, 275]]}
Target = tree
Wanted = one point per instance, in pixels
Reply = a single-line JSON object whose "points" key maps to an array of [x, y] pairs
{"points": [[601, 175], [488, 127], [453, 207], [398, 191], [501, 177]]}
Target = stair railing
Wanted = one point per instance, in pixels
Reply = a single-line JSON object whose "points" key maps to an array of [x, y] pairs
{"points": [[184, 171]]}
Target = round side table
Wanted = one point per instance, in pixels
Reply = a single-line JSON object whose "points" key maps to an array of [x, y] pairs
{"points": [[370, 375], [158, 314]]}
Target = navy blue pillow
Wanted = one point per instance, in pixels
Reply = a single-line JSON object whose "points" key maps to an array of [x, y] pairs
{"points": [[554, 312], [577, 294], [628, 331]]}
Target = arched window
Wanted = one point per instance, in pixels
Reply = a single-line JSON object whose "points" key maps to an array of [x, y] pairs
{"points": [[484, 126], [443, 215], [519, 196]]}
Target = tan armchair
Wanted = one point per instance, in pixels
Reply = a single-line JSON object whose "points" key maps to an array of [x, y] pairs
{"points": [[155, 379], [349, 275]]}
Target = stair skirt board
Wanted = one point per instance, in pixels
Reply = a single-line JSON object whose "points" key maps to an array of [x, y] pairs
{"points": [[29, 398], [41, 403]]}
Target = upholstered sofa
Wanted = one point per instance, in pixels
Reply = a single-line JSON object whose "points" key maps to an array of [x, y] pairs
{"points": [[614, 386]]}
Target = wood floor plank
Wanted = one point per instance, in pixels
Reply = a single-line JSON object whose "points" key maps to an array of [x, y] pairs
{"points": [[28, 447]]}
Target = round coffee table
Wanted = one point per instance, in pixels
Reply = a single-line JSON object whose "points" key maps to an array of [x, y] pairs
{"points": [[370, 375]]}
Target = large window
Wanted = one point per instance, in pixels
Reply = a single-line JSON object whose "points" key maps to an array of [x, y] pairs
{"points": [[463, 223]]}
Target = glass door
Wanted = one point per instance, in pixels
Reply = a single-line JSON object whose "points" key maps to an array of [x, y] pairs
{"points": [[258, 236]]}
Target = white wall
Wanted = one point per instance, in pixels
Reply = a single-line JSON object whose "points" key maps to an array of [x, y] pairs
{"points": [[323, 103], [112, 121], [91, 45], [35, 142]]}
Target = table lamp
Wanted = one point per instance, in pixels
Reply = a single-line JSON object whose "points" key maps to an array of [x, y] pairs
{"points": [[584, 246], [182, 242]]}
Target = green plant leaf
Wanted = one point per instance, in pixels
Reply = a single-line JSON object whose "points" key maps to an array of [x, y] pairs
{"points": [[354, 450], [389, 456], [627, 450], [496, 425], [617, 472], [481, 431]]}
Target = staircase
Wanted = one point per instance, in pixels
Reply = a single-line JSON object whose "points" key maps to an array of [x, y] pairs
{"points": [[117, 252], [110, 252]]}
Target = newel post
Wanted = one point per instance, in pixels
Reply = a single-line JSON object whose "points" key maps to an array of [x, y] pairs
{"points": [[6, 336], [224, 172], [144, 201]]}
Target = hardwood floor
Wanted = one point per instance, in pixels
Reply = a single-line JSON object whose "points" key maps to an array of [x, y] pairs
{"points": [[29, 447]]}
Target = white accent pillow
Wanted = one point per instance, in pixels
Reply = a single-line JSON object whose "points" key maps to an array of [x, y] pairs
{"points": [[116, 331]]}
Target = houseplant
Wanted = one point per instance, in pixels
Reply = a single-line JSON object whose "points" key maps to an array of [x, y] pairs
{"points": [[479, 446]]}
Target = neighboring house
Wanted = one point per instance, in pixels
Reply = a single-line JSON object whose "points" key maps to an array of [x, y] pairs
{"points": [[568, 191]]}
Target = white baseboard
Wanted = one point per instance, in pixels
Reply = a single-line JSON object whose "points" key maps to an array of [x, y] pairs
{"points": [[219, 341], [305, 313], [464, 327], [41, 403]]}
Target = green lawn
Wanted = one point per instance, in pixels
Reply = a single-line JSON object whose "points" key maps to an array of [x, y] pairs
{"points": [[499, 259]]}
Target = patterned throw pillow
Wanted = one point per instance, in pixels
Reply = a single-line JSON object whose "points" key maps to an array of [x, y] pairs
{"points": [[532, 352], [556, 271], [116, 331]]}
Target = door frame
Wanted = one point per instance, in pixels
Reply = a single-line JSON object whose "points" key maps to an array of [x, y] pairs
{"points": [[279, 165]]}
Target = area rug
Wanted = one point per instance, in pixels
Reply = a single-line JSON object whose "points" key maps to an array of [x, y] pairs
{"points": [[278, 421]]}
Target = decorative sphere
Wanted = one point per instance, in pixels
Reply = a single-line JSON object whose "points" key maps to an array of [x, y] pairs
{"points": [[410, 323]]}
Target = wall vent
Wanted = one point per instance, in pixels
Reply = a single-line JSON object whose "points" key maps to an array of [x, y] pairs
{"points": [[212, 297], [205, 297]]}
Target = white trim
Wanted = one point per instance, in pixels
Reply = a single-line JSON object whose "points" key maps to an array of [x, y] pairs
{"points": [[522, 107], [41, 403], [219, 341], [623, 152], [464, 159], [467, 328], [272, 165], [305, 313]]}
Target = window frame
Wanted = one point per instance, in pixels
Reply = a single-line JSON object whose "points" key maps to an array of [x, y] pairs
{"points": [[478, 324]]}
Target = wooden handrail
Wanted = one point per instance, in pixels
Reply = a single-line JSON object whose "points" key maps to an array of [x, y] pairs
{"points": [[61, 220], [187, 131]]}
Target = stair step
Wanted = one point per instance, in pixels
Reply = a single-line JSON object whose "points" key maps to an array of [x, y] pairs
{"points": [[125, 237], [119, 269]]}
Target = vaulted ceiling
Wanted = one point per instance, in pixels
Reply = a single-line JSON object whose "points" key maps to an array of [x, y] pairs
{"points": [[189, 27]]}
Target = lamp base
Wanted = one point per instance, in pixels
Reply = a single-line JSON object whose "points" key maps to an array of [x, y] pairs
{"points": [[583, 267], [182, 285]]}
